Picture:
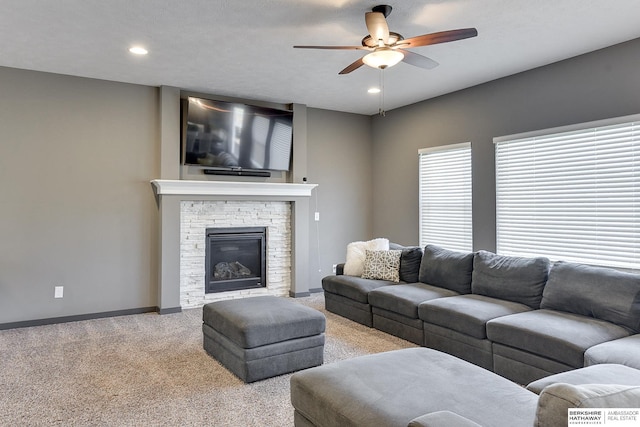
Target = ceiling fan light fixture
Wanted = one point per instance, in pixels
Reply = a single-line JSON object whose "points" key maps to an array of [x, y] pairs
{"points": [[138, 50], [383, 58]]}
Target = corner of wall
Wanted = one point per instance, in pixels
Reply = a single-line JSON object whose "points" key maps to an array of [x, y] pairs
{"points": [[300, 164], [169, 132]]}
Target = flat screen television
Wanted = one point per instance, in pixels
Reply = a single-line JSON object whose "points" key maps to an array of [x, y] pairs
{"points": [[235, 136]]}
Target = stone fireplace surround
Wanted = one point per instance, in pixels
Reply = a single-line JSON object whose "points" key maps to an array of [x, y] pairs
{"points": [[198, 215], [211, 199]]}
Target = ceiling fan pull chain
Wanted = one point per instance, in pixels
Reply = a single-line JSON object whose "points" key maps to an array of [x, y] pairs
{"points": [[381, 107]]}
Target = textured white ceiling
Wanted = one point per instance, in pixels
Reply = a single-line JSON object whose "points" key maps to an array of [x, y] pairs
{"points": [[244, 48]]}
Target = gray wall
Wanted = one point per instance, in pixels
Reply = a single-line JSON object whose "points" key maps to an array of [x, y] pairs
{"points": [[339, 149], [590, 87], [76, 207]]}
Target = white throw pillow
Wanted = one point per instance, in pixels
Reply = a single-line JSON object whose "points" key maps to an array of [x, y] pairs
{"points": [[356, 253]]}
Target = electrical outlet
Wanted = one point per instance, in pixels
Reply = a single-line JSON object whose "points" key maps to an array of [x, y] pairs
{"points": [[317, 216], [58, 292], [335, 268]]}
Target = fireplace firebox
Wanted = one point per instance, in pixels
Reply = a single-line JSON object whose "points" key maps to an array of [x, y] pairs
{"points": [[235, 258]]}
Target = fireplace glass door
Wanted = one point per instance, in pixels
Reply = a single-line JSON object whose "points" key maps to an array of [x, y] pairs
{"points": [[235, 259]]}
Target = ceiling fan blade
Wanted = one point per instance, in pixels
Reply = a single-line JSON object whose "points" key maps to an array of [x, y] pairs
{"points": [[377, 26], [440, 37], [334, 47], [418, 60], [353, 66]]}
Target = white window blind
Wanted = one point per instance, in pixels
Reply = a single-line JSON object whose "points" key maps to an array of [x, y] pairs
{"points": [[445, 196], [571, 195]]}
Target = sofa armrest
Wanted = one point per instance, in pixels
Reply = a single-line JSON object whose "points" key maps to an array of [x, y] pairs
{"points": [[442, 419], [556, 399]]}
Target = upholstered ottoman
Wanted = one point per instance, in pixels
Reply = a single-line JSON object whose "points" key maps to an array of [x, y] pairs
{"points": [[261, 337], [393, 388]]}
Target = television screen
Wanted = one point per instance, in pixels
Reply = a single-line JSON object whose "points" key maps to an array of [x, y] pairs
{"points": [[229, 135]]}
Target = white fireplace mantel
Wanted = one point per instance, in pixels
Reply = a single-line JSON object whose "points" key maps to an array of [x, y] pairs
{"points": [[172, 193], [231, 188]]}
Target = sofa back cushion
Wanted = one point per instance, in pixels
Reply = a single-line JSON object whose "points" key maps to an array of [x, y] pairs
{"points": [[599, 292], [409, 262], [447, 269], [510, 278]]}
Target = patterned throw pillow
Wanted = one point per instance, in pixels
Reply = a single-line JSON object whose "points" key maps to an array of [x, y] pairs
{"points": [[382, 265]]}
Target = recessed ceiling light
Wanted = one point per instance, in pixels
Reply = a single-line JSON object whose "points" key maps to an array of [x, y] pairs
{"points": [[138, 50], [374, 90]]}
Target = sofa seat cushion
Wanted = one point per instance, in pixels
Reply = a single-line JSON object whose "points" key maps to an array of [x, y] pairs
{"points": [[523, 367], [398, 325], [608, 373], [625, 351], [346, 307], [355, 288], [556, 335], [474, 350], [404, 299], [392, 388], [467, 314]]}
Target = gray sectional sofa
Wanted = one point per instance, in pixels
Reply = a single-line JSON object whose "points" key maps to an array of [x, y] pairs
{"points": [[567, 330], [523, 318]]}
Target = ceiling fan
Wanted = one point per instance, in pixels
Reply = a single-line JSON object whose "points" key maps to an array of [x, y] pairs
{"points": [[387, 48]]}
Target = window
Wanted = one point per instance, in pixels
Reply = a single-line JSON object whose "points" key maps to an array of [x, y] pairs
{"points": [[445, 196], [571, 194]]}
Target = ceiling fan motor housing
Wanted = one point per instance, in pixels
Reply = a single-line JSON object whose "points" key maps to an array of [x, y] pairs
{"points": [[368, 41]]}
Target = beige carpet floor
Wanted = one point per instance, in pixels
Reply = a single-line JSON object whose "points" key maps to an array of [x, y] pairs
{"points": [[149, 370]]}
